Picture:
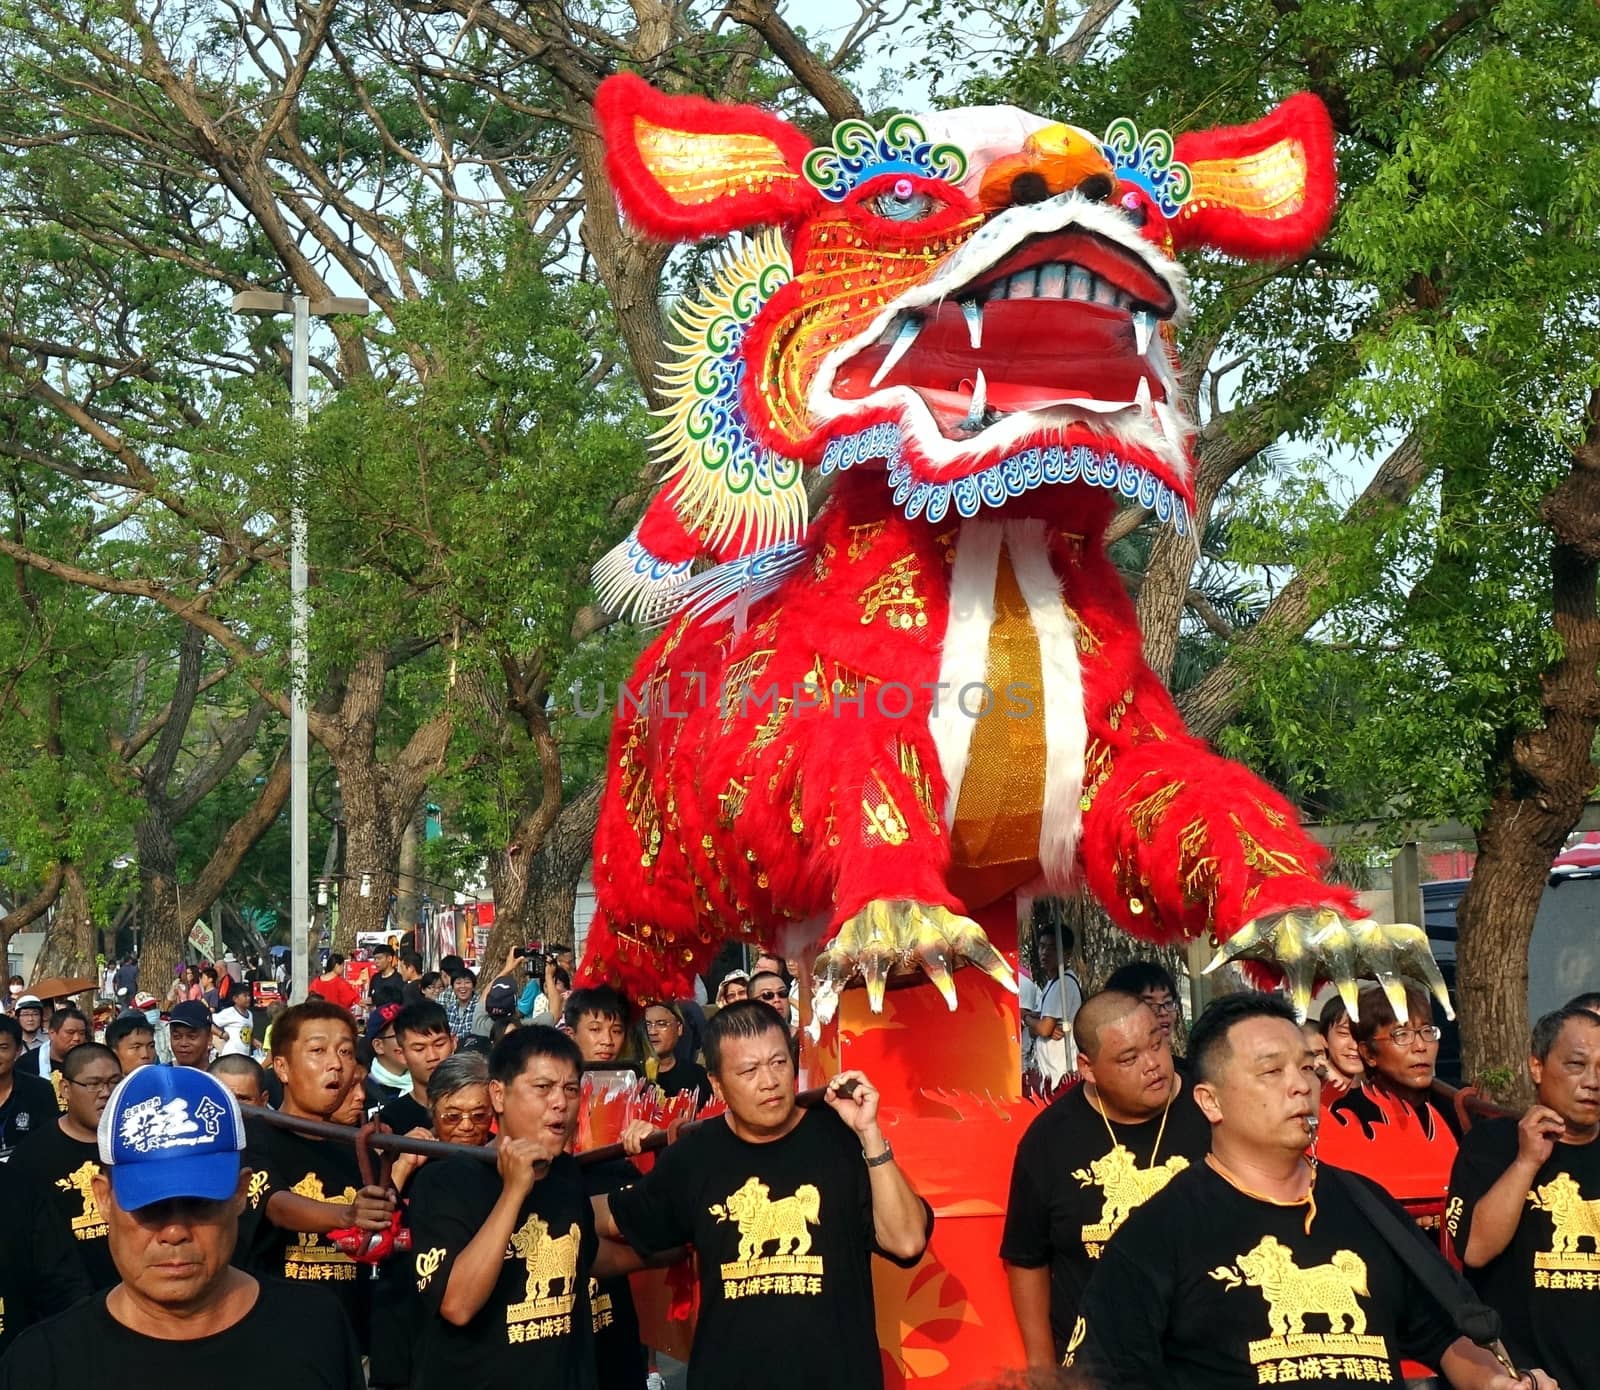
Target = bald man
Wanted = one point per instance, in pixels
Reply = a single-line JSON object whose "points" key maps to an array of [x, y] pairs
{"points": [[1086, 1161]]}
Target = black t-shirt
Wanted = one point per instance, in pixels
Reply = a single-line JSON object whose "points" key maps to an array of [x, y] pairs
{"points": [[1542, 1284], [1071, 1189], [30, 1107], [379, 1093], [536, 1327], [295, 1334], [685, 1076], [325, 1171], [405, 1115], [40, 1272], [386, 989], [784, 1237], [620, 1360], [55, 1170], [1207, 1288]]}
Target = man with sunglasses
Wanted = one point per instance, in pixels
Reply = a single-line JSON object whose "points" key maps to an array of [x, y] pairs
{"points": [[771, 991], [55, 1167]]}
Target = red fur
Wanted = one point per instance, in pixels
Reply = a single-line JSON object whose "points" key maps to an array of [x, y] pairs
{"points": [[750, 875], [1302, 117], [645, 200]]}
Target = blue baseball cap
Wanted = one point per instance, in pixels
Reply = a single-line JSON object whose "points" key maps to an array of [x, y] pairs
{"points": [[171, 1132]]}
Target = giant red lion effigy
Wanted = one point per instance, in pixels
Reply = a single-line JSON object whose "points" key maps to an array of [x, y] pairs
{"points": [[870, 722]]}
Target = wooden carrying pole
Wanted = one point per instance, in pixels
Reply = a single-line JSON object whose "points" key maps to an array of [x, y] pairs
{"points": [[434, 1148]]}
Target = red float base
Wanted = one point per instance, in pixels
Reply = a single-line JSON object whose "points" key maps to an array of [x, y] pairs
{"points": [[952, 1107]]}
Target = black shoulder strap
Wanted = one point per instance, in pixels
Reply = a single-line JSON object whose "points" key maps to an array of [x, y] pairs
{"points": [[1472, 1318]]}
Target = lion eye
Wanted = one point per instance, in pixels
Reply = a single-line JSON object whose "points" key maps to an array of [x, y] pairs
{"points": [[903, 203]]}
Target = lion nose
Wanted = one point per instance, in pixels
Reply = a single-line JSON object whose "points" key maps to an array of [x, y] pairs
{"points": [[1054, 159]]}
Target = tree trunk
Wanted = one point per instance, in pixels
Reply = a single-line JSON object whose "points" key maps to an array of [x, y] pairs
{"points": [[372, 851], [1549, 773], [69, 945], [559, 866], [408, 892], [165, 928]]}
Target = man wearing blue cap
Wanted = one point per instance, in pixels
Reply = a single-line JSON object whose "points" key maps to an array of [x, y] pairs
{"points": [[172, 1188]]}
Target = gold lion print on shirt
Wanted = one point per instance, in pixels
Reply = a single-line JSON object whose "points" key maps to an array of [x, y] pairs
{"points": [[601, 1312], [1331, 1292], [1572, 1220], [259, 1183], [1126, 1187], [89, 1224], [549, 1260], [783, 1223], [312, 1257]]}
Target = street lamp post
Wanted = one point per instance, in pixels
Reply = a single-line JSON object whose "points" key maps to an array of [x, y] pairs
{"points": [[303, 308]]}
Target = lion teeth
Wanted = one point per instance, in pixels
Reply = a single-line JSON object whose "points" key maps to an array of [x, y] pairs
{"points": [[909, 328]]}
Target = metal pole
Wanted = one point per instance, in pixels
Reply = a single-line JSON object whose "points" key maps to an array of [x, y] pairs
{"points": [[299, 799]]}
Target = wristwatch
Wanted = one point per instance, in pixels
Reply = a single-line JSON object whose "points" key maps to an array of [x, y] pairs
{"points": [[878, 1160]]}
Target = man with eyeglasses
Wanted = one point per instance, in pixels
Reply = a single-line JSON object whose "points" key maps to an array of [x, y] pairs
{"points": [[1154, 984], [1389, 1127], [503, 1254], [662, 1029], [55, 1167]]}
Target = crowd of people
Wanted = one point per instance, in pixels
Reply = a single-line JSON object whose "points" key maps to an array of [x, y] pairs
{"points": [[1276, 1205]]}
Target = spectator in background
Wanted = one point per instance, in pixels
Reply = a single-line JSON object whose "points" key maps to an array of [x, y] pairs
{"points": [[461, 1005], [125, 982], [553, 1000], [1055, 1052], [387, 1077], [735, 985], [234, 1026], [68, 1029], [1154, 984], [595, 1018], [423, 1041], [30, 1018], [133, 1038], [209, 994], [1345, 1067], [332, 985], [27, 1103], [385, 985], [451, 966], [14, 989], [662, 1029], [770, 989], [186, 986], [244, 1076], [54, 1167], [189, 1034], [410, 968], [433, 986], [1515, 1190], [171, 1198]]}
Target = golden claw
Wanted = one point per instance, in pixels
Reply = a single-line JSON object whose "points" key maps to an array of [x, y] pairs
{"points": [[1312, 944], [894, 934]]}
